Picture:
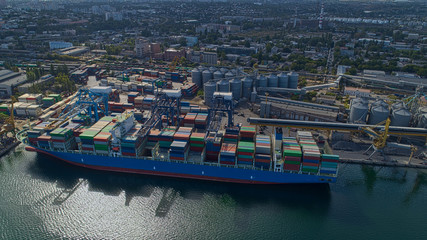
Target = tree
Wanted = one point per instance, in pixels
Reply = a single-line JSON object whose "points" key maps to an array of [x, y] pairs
{"points": [[52, 70]]}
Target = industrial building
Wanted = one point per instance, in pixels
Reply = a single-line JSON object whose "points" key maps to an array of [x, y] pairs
{"points": [[46, 79], [73, 51], [10, 80]]}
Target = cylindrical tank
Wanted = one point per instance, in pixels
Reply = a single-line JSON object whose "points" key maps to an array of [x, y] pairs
{"points": [[358, 111], [206, 76], [223, 70], [223, 86], [209, 89], [229, 75], [236, 88], [247, 87], [262, 81], [378, 114], [422, 120], [273, 81], [212, 69], [218, 75], [379, 102], [398, 105], [196, 76], [400, 117], [293, 80], [283, 80]]}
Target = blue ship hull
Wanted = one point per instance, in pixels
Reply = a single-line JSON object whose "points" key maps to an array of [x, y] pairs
{"points": [[183, 170]]}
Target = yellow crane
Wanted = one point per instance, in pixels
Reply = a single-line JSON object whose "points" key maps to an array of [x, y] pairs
{"points": [[10, 121], [173, 64], [380, 141]]}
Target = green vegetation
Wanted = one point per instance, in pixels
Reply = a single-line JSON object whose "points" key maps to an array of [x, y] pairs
{"points": [[113, 49], [64, 84]]}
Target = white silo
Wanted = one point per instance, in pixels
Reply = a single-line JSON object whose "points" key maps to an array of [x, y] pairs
{"points": [[378, 114], [206, 76], [273, 81], [401, 117], [229, 75], [218, 75], [358, 111], [293, 80], [247, 87], [236, 88], [209, 89], [283, 80], [223, 86], [196, 77], [262, 81]]}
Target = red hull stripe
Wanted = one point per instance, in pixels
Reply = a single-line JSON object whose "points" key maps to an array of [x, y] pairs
{"points": [[138, 171]]}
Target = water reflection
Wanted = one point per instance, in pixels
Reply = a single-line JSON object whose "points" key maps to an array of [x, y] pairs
{"points": [[310, 197], [420, 179]]}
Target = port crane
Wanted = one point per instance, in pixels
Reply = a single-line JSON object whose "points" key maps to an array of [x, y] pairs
{"points": [[380, 140], [9, 125]]}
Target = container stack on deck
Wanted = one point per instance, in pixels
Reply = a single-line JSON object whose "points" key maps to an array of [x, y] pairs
{"points": [[86, 139], [131, 143], [263, 151], [102, 141], [231, 135], [213, 147], [310, 152], [178, 150], [153, 137], [228, 153], [166, 137], [62, 139], [201, 121], [247, 133], [329, 164], [245, 153], [190, 120], [291, 154], [197, 142]]}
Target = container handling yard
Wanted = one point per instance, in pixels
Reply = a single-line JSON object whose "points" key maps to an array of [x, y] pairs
{"points": [[143, 123]]}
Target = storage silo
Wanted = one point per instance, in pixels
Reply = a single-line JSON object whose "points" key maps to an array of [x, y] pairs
{"points": [[422, 120], [236, 88], [206, 76], [247, 87], [196, 77], [358, 111], [229, 75], [379, 102], [212, 69], [223, 86], [398, 105], [262, 81], [223, 70], [283, 80], [400, 117], [273, 81], [293, 80], [378, 114], [218, 75], [209, 89]]}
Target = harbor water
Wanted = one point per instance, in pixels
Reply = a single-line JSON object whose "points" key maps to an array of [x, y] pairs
{"points": [[42, 198]]}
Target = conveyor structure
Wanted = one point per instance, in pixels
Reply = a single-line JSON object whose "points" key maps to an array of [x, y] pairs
{"points": [[393, 130]]}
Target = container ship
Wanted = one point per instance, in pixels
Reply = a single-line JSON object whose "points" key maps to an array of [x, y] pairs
{"points": [[188, 143]]}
